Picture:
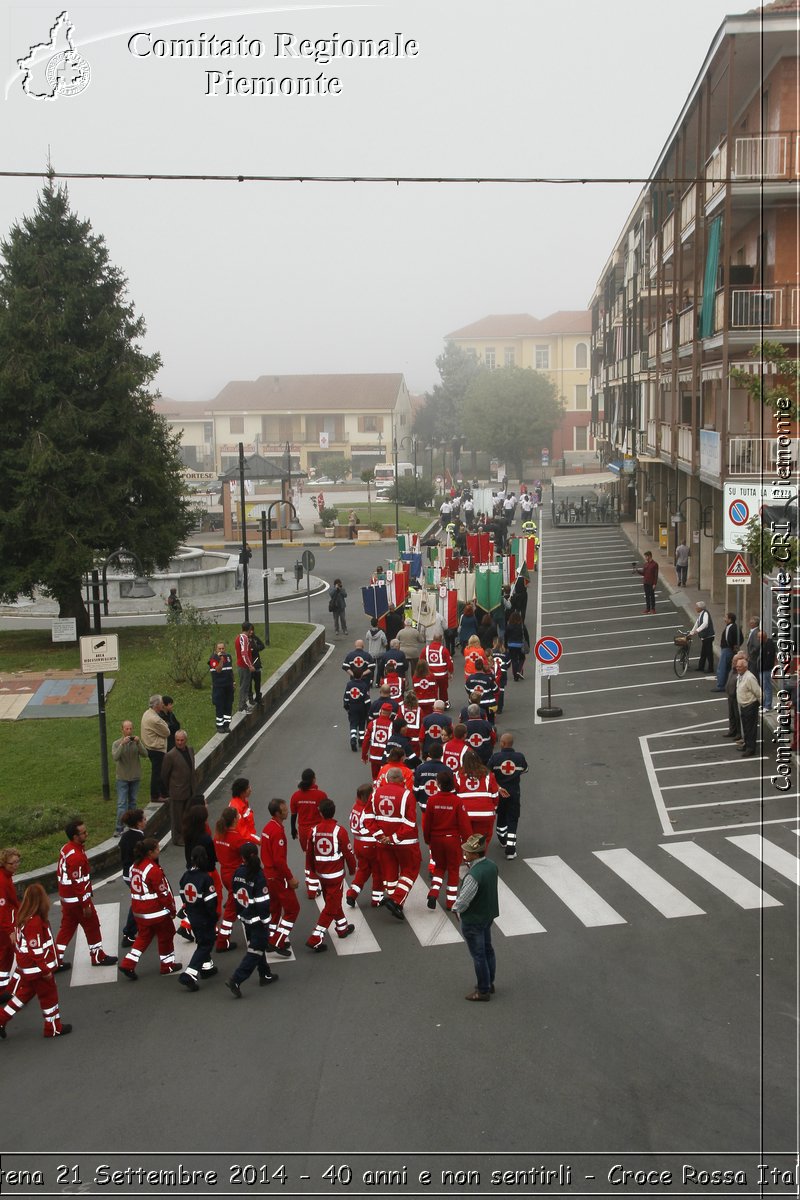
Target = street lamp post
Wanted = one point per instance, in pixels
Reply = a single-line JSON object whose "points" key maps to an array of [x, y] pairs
{"points": [[289, 485], [244, 553], [266, 536], [396, 490], [413, 442]]}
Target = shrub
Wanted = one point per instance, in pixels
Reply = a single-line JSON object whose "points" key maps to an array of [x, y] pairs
{"points": [[190, 637], [329, 516]]}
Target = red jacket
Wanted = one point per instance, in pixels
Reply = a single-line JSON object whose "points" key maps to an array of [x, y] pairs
{"points": [[357, 827], [378, 732], [412, 717], [479, 796], [444, 816], [305, 806], [273, 851], [246, 826], [327, 852], [151, 895], [36, 954], [438, 659], [427, 691], [453, 752], [74, 883], [9, 901], [229, 852], [244, 651], [392, 812], [395, 684]]}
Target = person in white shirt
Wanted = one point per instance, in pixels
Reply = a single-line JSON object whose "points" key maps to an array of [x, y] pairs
{"points": [[704, 628]]}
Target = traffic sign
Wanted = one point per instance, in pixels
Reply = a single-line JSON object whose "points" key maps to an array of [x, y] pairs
{"points": [[99, 652], [548, 650], [738, 571], [549, 668], [739, 512], [308, 561], [745, 501]]}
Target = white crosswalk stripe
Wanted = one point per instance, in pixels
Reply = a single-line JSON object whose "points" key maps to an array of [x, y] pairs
{"points": [[649, 884], [588, 906], [719, 875], [779, 860], [377, 931]]}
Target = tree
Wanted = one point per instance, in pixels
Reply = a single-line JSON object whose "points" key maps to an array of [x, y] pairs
{"points": [[440, 416], [335, 466], [771, 551], [87, 465], [783, 398], [410, 490], [512, 412]]}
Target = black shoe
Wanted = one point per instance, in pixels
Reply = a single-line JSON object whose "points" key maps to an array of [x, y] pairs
{"points": [[184, 933], [233, 987], [209, 972], [733, 735], [107, 960], [62, 967], [354, 747], [431, 902], [264, 980], [320, 949], [394, 909], [491, 988], [129, 973], [127, 941], [189, 982], [64, 1030], [748, 753], [350, 929], [3, 1034], [350, 901], [716, 691]]}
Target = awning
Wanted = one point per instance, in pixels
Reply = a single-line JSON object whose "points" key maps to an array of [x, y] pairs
{"points": [[616, 467], [574, 483]]}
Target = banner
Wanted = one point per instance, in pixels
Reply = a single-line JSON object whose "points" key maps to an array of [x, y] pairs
{"points": [[488, 587], [448, 606], [376, 601], [465, 586], [423, 607], [480, 546]]}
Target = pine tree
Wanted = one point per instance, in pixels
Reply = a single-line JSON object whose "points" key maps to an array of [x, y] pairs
{"points": [[86, 464]]}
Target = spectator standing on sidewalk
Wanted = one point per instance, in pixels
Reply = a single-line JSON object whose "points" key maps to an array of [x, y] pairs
{"points": [[649, 574], [126, 752], [734, 721], [244, 663], [762, 664], [704, 628], [154, 732], [682, 554], [748, 697], [477, 907], [729, 642], [337, 603]]}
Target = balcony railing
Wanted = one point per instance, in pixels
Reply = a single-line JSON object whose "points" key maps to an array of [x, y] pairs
{"points": [[668, 233], [666, 335], [653, 255], [665, 435], [652, 436], [686, 326], [765, 156], [752, 308], [685, 444], [652, 343], [757, 456], [716, 170], [688, 206]]}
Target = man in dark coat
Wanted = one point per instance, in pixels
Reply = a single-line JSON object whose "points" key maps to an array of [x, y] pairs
{"points": [[179, 782]]}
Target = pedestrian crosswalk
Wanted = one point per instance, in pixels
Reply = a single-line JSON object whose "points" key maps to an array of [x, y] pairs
{"points": [[695, 873]]}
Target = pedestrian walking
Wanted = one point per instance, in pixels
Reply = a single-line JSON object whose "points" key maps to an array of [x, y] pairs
{"points": [[252, 908], [365, 848], [75, 894], [304, 808], [179, 782], [10, 859], [134, 821], [445, 825], [649, 574], [328, 852], [508, 765], [477, 908], [228, 843], [153, 910], [337, 603], [352, 525], [199, 899], [284, 906], [256, 646], [37, 964], [682, 555]]}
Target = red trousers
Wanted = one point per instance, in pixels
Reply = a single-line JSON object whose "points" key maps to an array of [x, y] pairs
{"points": [[6, 958], [400, 867], [28, 986], [484, 825], [447, 854], [85, 916], [369, 864], [163, 928], [443, 683], [332, 913], [312, 883], [283, 909], [228, 913]]}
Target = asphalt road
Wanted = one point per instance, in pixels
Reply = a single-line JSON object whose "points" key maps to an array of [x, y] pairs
{"points": [[647, 959]]}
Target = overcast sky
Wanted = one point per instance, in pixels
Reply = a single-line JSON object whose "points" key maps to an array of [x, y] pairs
{"points": [[236, 280]]}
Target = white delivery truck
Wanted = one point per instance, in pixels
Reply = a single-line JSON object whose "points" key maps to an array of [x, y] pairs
{"points": [[384, 477]]}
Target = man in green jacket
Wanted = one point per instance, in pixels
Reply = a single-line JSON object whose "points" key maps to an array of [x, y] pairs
{"points": [[477, 907]]}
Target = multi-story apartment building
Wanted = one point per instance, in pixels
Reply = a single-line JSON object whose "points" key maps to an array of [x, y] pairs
{"points": [[706, 267], [558, 346], [357, 416]]}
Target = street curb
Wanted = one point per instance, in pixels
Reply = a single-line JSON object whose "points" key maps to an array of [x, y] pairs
{"points": [[209, 760]]}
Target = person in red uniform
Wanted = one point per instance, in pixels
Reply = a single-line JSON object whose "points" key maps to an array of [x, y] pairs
{"points": [[37, 963], [9, 902], [440, 665], [228, 844], [379, 730], [328, 851], [284, 906], [394, 759], [480, 794], [75, 893], [304, 807], [426, 689], [240, 800], [244, 664], [411, 714], [153, 907], [445, 825], [392, 820], [368, 862], [394, 682], [455, 748]]}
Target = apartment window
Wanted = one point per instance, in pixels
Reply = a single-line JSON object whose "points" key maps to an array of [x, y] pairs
{"points": [[509, 356], [581, 437], [489, 357], [581, 355], [542, 358], [581, 390], [370, 424], [236, 424], [208, 431]]}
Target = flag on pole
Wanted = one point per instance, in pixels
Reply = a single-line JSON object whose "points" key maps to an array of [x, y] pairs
{"points": [[414, 560], [376, 601], [509, 569], [488, 586], [448, 606], [465, 586], [525, 550], [480, 547], [423, 607]]}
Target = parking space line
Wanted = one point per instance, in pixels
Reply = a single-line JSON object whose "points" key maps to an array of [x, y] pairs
{"points": [[626, 687], [722, 803], [704, 783], [719, 875], [616, 667], [770, 855], [649, 884], [573, 637], [739, 825], [683, 731], [629, 646], [655, 790], [731, 762], [625, 712], [560, 606], [606, 620]]}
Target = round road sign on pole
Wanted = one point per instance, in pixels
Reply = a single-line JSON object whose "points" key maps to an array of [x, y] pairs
{"points": [[548, 650], [308, 561], [739, 513]]}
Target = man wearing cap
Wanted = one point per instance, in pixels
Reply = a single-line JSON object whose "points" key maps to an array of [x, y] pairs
{"points": [[704, 628], [476, 906]]}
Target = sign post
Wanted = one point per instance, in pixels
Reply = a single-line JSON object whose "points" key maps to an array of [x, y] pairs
{"points": [[548, 651], [309, 562]]}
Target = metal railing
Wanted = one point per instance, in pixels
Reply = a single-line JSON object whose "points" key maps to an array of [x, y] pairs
{"points": [[685, 444], [688, 206], [686, 326], [765, 156], [665, 435], [757, 456]]}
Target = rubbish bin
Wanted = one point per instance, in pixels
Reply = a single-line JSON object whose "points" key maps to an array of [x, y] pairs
{"points": [[663, 537]]}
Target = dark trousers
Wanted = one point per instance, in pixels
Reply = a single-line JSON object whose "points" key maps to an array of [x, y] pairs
{"points": [[507, 821], [255, 686], [222, 699], [357, 717], [749, 714], [478, 936], [734, 728], [649, 597], [517, 656], [156, 759], [706, 660], [257, 938], [204, 935]]}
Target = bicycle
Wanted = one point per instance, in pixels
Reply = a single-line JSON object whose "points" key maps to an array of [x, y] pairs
{"points": [[680, 663]]}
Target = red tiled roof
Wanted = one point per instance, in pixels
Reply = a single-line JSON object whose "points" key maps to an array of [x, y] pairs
{"points": [[512, 325], [308, 393]]}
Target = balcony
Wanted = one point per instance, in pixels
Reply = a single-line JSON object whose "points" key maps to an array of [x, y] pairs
{"points": [[652, 344], [716, 171], [686, 326], [666, 335], [758, 456], [755, 308], [653, 255], [651, 437], [685, 445], [688, 208], [668, 234], [765, 156], [665, 439]]}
